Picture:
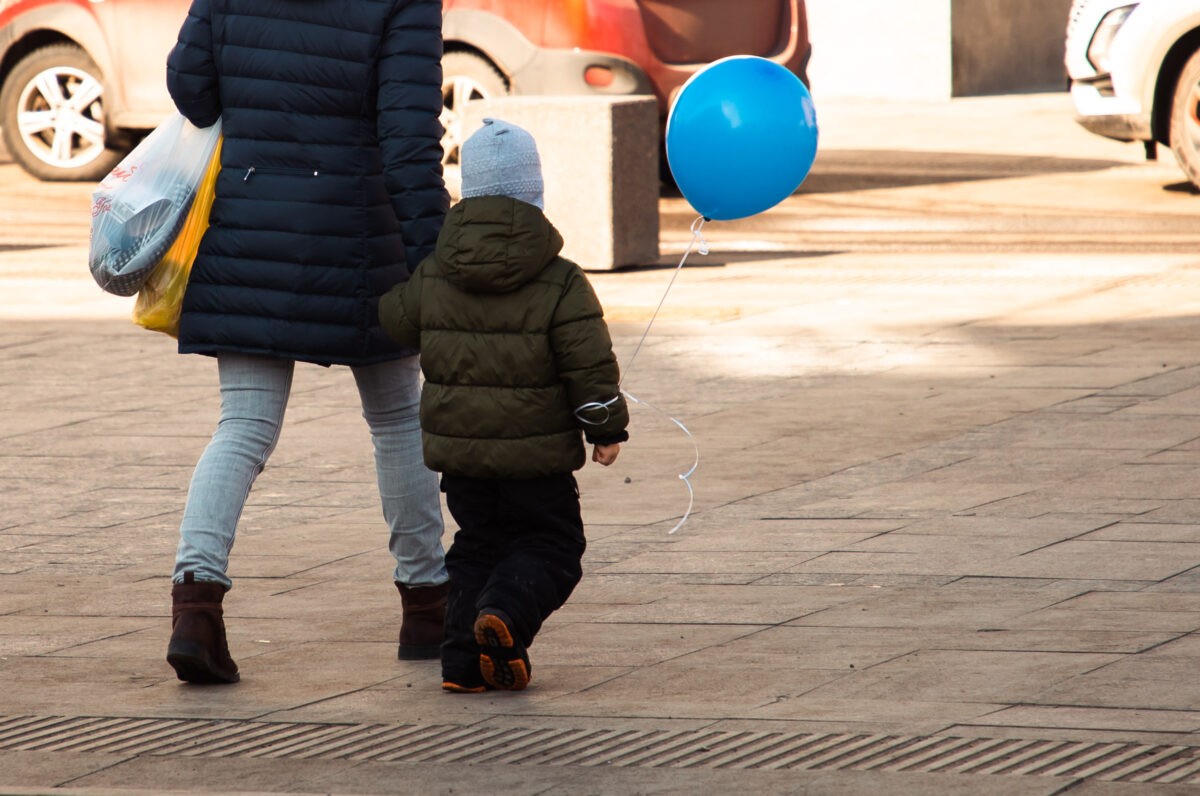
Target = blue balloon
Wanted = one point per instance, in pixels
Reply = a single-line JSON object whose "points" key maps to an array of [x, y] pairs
{"points": [[741, 137]]}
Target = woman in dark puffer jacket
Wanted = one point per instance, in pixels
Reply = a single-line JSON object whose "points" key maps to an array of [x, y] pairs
{"points": [[330, 191]]}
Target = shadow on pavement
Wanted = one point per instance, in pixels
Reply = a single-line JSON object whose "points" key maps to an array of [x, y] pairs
{"points": [[866, 169], [839, 170], [1182, 187], [843, 170], [725, 257]]}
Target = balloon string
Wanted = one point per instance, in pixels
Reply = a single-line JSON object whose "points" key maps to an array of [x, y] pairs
{"points": [[697, 242], [682, 476]]}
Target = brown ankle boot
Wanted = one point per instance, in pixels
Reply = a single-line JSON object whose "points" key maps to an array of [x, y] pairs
{"points": [[421, 630], [198, 650]]}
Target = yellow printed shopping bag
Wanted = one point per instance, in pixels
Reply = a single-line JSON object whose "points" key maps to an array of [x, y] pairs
{"points": [[161, 297]]}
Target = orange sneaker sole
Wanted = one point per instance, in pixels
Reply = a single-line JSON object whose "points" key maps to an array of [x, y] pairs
{"points": [[500, 663], [455, 688]]}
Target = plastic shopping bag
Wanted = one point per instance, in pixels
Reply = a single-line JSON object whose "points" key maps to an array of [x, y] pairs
{"points": [[161, 297], [140, 207]]}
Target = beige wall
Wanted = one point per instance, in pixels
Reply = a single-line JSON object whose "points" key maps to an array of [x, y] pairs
{"points": [[935, 49], [880, 48]]}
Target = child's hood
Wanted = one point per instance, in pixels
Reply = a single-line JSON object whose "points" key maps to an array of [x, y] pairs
{"points": [[495, 244]]}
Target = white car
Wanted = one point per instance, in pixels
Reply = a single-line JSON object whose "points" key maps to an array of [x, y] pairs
{"points": [[1135, 73]]}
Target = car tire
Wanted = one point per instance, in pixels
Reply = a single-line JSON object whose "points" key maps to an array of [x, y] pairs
{"points": [[62, 86], [466, 77], [1185, 119]]}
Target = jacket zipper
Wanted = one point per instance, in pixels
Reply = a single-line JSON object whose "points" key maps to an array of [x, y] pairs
{"points": [[250, 172]]}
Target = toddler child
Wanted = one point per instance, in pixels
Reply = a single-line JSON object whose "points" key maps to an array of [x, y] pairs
{"points": [[518, 362]]}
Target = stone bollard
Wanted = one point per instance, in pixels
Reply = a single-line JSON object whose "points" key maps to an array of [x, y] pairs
{"points": [[600, 165]]}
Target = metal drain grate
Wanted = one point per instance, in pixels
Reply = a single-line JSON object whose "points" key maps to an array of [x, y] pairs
{"points": [[711, 749]]}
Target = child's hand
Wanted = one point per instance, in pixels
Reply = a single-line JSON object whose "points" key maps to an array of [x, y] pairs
{"points": [[606, 454]]}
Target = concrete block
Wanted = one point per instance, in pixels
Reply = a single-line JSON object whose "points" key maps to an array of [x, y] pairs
{"points": [[600, 166]]}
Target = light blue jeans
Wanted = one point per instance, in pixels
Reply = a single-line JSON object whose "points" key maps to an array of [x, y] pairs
{"points": [[254, 395]]}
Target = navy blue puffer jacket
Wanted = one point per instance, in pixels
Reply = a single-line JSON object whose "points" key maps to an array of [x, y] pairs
{"points": [[331, 182]]}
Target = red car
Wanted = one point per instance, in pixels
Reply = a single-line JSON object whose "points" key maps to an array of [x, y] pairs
{"points": [[497, 47], [82, 80]]}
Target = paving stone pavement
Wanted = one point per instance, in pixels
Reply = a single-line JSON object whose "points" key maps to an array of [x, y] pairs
{"points": [[946, 539]]}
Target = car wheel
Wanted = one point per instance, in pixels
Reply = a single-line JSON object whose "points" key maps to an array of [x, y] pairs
{"points": [[1185, 119], [466, 77], [52, 112]]}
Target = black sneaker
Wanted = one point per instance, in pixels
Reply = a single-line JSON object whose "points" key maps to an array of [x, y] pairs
{"points": [[464, 680], [502, 659]]}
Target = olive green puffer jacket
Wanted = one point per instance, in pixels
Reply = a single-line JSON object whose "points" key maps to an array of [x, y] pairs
{"points": [[513, 342]]}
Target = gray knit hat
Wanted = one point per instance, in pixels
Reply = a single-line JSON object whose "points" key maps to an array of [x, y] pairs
{"points": [[501, 159]]}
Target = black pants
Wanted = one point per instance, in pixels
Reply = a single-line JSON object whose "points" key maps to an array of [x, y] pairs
{"points": [[518, 550]]}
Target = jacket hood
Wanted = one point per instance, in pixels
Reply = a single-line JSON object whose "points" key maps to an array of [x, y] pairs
{"points": [[495, 244]]}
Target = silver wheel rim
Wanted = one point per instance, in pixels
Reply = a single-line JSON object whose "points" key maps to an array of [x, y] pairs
{"points": [[457, 91], [60, 117]]}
